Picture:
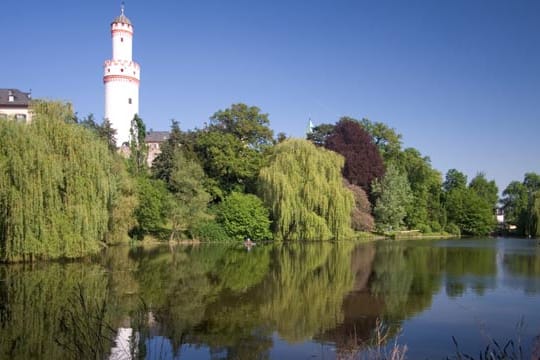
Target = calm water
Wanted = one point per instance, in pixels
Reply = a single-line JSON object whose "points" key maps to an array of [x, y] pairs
{"points": [[309, 301]]}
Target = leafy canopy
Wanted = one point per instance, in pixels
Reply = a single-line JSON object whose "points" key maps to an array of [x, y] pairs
{"points": [[302, 185]]}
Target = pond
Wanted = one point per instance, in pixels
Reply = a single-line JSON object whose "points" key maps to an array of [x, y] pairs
{"points": [[286, 301]]}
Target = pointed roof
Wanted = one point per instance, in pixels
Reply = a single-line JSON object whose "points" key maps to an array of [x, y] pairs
{"points": [[122, 19]]}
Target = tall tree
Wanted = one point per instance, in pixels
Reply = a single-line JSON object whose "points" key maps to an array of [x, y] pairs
{"points": [[190, 199], [487, 190], [465, 207], [425, 211], [454, 180], [387, 140], [229, 163], [137, 146], [57, 187], [302, 186], [246, 123], [363, 162], [521, 204], [393, 195]]}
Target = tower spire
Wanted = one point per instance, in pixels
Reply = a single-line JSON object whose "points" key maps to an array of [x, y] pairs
{"points": [[122, 7]]}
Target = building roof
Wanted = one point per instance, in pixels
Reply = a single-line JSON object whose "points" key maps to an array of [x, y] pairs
{"points": [[122, 19], [19, 98], [156, 136]]}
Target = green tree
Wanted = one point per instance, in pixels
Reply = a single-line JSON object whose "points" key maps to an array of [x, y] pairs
{"points": [[244, 122], [153, 207], [385, 138], [454, 180], [487, 190], [228, 162], [393, 195], [302, 186], [163, 164], [521, 204], [57, 187], [425, 211], [468, 207], [137, 146], [244, 215], [190, 199]]}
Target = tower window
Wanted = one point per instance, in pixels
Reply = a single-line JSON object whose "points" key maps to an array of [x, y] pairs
{"points": [[129, 101], [122, 39], [121, 70], [108, 70]]}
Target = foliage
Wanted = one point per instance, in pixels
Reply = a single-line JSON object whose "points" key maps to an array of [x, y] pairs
{"points": [[470, 212], [453, 229], [521, 203], [154, 205], [124, 201], [363, 162], [387, 140], [487, 190], [227, 161], [246, 123], [393, 195], [425, 210], [361, 218], [320, 133], [163, 164], [209, 230], [189, 198], [303, 188], [105, 131], [138, 150], [244, 215], [454, 180], [56, 187]]}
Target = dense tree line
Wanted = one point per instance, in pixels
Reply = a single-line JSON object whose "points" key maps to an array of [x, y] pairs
{"points": [[229, 180], [59, 188]]}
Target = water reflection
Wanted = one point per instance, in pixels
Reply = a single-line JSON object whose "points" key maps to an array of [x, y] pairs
{"points": [[224, 302]]}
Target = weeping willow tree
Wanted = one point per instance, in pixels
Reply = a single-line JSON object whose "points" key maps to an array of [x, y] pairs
{"points": [[56, 187], [303, 187]]}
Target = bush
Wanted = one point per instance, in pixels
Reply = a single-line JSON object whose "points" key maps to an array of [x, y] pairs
{"points": [[453, 229], [424, 229], [209, 231], [435, 226], [244, 215]]}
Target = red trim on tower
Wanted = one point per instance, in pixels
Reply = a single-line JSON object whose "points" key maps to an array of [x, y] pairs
{"points": [[108, 78], [121, 31]]}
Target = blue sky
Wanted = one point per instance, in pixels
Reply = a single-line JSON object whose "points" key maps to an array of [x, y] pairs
{"points": [[460, 79]]}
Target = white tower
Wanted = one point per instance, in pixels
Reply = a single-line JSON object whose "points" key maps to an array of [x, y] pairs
{"points": [[121, 76]]}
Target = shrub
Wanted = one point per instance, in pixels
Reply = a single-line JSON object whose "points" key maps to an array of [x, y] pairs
{"points": [[244, 215], [453, 229], [209, 230]]}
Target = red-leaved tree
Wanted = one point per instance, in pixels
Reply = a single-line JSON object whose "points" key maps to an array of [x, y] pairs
{"points": [[363, 162]]}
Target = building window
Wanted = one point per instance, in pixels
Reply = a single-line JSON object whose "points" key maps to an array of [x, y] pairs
{"points": [[121, 70], [11, 98], [20, 117], [121, 39], [129, 101]]}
